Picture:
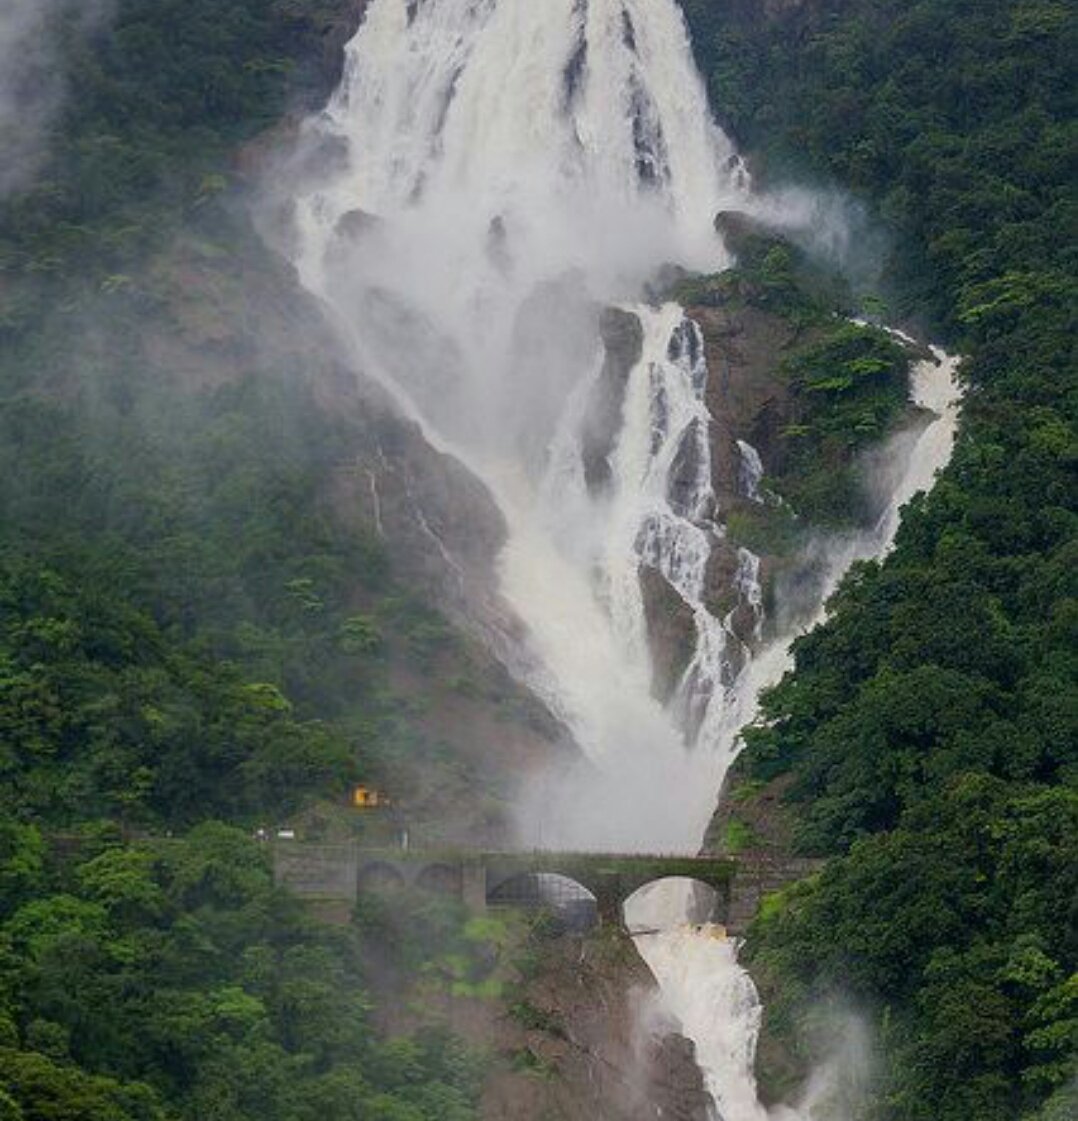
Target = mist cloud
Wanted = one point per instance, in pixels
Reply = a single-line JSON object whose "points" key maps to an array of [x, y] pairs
{"points": [[32, 80], [832, 227]]}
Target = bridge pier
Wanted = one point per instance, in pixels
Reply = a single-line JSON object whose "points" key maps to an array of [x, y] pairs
{"points": [[606, 887], [474, 884]]}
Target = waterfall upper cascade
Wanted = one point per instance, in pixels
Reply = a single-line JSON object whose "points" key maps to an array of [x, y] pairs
{"points": [[502, 171], [499, 172]]}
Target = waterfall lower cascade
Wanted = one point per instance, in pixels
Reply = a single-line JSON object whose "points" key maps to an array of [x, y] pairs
{"points": [[715, 1004], [496, 179], [695, 964]]}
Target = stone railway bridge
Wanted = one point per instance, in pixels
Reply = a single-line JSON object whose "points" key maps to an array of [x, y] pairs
{"points": [[332, 876]]}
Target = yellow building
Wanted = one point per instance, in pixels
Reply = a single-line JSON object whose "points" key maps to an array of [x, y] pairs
{"points": [[367, 798]]}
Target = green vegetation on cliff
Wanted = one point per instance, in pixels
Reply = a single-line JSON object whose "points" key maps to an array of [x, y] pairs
{"points": [[157, 96], [846, 383], [170, 980], [930, 725], [191, 631]]}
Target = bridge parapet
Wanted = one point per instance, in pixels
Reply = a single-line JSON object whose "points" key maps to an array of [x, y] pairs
{"points": [[318, 871], [339, 872], [333, 875]]}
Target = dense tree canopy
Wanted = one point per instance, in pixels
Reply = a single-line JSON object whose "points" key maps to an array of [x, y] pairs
{"points": [[931, 724], [186, 633], [189, 635], [170, 980]]}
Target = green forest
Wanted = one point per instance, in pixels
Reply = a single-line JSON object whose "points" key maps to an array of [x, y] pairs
{"points": [[931, 726], [192, 645]]}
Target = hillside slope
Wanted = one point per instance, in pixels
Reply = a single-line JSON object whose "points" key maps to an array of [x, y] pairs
{"points": [[928, 734], [225, 595]]}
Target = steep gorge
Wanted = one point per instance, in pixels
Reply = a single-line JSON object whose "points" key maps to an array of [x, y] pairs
{"points": [[449, 235]]}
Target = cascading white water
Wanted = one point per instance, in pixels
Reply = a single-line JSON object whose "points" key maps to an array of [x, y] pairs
{"points": [[717, 1006], [500, 171], [696, 966], [654, 771], [505, 169], [752, 470]]}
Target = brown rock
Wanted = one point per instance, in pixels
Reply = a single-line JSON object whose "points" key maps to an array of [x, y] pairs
{"points": [[739, 230], [747, 396], [684, 472], [672, 633], [623, 340], [591, 1030]]}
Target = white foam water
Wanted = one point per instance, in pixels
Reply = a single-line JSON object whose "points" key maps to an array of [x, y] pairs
{"points": [[709, 994], [493, 173], [503, 170], [715, 1004]]}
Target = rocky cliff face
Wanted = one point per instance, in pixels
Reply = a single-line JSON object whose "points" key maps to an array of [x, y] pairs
{"points": [[757, 323], [584, 1043], [623, 339], [204, 318], [749, 403], [230, 315], [671, 631], [570, 1025], [747, 398]]}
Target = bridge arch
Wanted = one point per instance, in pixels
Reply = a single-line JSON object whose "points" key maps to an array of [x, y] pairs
{"points": [[669, 902], [379, 875], [573, 906], [441, 878]]}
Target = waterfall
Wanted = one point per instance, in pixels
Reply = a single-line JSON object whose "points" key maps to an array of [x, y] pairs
{"points": [[494, 176], [695, 964], [500, 172], [752, 470]]}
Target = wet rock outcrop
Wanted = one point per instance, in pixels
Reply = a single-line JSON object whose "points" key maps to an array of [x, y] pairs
{"points": [[725, 585], [623, 342], [748, 401], [747, 397], [672, 633], [685, 471], [584, 1042]]}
